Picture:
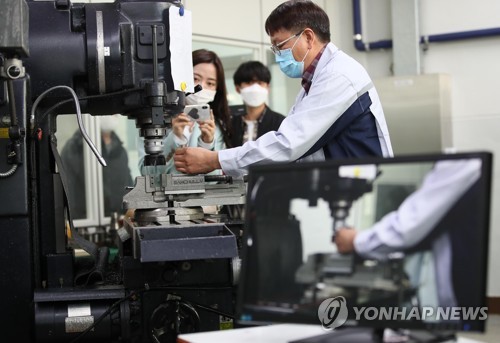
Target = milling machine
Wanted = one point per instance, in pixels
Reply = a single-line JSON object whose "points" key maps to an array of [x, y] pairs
{"points": [[174, 268]]}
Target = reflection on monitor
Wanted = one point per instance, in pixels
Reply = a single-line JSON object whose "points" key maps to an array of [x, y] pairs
{"points": [[420, 257]]}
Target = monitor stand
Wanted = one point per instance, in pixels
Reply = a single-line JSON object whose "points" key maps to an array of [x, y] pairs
{"points": [[369, 335]]}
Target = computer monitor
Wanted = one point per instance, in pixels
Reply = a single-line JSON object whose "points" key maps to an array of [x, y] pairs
{"points": [[420, 261]]}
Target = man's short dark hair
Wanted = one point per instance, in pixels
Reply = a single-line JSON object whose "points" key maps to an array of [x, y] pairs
{"points": [[296, 15], [251, 71]]}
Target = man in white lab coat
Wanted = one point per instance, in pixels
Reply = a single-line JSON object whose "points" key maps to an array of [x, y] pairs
{"points": [[337, 113]]}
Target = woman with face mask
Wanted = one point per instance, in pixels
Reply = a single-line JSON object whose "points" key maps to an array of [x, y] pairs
{"points": [[252, 80], [211, 134]]}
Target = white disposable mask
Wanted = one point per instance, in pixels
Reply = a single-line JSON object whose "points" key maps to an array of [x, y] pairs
{"points": [[109, 123], [201, 98], [254, 95]]}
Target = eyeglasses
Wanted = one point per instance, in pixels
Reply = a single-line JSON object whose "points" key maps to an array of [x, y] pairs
{"points": [[276, 47]]}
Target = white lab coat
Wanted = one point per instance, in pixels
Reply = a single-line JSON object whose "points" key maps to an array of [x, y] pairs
{"points": [[338, 82]]}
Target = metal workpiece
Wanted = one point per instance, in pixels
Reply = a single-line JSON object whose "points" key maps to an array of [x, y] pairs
{"points": [[218, 194], [137, 197], [183, 191], [183, 184]]}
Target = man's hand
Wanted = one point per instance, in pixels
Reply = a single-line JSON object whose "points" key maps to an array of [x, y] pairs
{"points": [[178, 124], [344, 238], [196, 160]]}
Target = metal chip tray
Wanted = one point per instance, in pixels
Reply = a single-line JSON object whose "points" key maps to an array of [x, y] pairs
{"points": [[179, 242]]}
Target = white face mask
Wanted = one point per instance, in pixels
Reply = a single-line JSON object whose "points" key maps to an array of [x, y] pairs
{"points": [[201, 98], [109, 123], [254, 95]]}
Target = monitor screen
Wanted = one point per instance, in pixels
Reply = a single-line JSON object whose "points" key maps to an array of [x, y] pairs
{"points": [[419, 243]]}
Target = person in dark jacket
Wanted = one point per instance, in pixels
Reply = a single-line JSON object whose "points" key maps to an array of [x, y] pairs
{"points": [[116, 176], [252, 80]]}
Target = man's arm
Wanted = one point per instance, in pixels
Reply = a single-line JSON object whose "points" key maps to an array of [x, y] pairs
{"points": [[328, 99], [416, 216], [420, 212]]}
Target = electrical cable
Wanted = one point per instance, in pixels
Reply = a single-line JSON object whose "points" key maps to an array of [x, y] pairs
{"points": [[210, 309], [78, 116], [89, 97], [8, 173]]}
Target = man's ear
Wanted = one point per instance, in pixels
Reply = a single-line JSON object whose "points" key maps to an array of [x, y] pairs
{"points": [[238, 89], [310, 37]]}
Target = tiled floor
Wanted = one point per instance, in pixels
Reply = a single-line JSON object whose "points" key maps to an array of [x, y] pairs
{"points": [[492, 334]]}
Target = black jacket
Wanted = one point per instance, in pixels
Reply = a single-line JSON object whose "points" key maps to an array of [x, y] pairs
{"points": [[268, 121], [116, 176]]}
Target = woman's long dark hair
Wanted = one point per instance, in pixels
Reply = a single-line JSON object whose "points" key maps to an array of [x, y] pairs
{"points": [[219, 105]]}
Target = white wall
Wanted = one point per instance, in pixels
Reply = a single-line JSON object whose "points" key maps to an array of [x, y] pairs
{"points": [[473, 65], [241, 20]]}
